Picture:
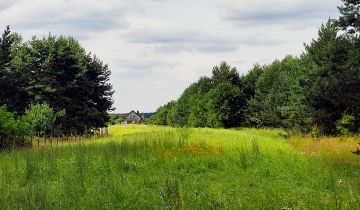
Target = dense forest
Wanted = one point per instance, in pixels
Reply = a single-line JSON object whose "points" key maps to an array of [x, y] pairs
{"points": [[317, 92], [50, 86]]}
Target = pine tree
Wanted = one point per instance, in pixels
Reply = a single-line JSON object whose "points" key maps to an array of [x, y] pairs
{"points": [[13, 92], [350, 16]]}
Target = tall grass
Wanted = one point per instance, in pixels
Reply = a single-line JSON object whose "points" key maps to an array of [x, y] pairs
{"points": [[149, 167]]}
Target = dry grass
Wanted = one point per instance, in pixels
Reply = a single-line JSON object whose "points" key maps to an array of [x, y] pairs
{"points": [[335, 145], [336, 149]]}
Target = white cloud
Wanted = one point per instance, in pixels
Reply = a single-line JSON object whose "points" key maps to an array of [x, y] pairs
{"points": [[170, 41], [156, 48], [5, 4], [70, 17]]}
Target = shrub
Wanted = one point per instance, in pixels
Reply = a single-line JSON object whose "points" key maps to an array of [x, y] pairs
{"points": [[315, 132], [43, 119], [346, 125], [116, 119], [13, 132]]}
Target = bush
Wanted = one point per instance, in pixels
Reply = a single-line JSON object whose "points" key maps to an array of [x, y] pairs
{"points": [[43, 118], [315, 132], [13, 132], [346, 125], [115, 119]]}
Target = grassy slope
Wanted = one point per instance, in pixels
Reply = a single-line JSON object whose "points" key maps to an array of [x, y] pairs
{"points": [[158, 168]]}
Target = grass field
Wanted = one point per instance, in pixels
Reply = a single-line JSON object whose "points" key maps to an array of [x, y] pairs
{"points": [[145, 167]]}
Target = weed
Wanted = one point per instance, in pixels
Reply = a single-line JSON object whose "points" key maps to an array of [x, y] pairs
{"points": [[255, 148], [171, 194]]}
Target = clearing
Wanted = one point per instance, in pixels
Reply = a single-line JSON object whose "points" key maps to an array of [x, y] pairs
{"points": [[149, 167]]}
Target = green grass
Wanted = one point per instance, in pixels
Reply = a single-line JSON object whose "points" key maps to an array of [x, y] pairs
{"points": [[145, 167]]}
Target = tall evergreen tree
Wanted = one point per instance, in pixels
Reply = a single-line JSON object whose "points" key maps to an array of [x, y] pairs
{"points": [[350, 16], [6, 42], [13, 92], [249, 80], [64, 76], [333, 86]]}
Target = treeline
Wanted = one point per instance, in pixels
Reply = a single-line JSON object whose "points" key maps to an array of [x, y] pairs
{"points": [[116, 119], [54, 72], [317, 92]]}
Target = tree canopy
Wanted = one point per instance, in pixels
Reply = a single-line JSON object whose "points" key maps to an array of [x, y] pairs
{"points": [[59, 72], [319, 90]]}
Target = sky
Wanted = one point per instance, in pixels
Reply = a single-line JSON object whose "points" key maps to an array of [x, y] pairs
{"points": [[157, 48]]}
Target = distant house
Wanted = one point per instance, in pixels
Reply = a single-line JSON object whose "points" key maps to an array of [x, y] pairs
{"points": [[133, 118]]}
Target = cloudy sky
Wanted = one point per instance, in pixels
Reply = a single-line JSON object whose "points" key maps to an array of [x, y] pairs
{"points": [[156, 48]]}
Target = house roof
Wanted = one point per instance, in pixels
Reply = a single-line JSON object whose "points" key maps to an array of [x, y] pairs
{"points": [[135, 113]]}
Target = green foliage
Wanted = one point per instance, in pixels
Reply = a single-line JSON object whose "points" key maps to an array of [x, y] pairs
{"points": [[315, 132], [39, 119], [13, 132], [333, 86], [225, 104], [181, 111], [12, 83], [43, 118], [57, 71], [164, 115], [198, 102], [6, 42], [279, 97], [210, 102], [296, 93], [225, 73], [349, 19], [116, 119], [346, 125], [249, 80]]}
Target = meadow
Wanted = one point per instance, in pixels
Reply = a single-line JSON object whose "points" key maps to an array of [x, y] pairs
{"points": [[150, 167]]}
